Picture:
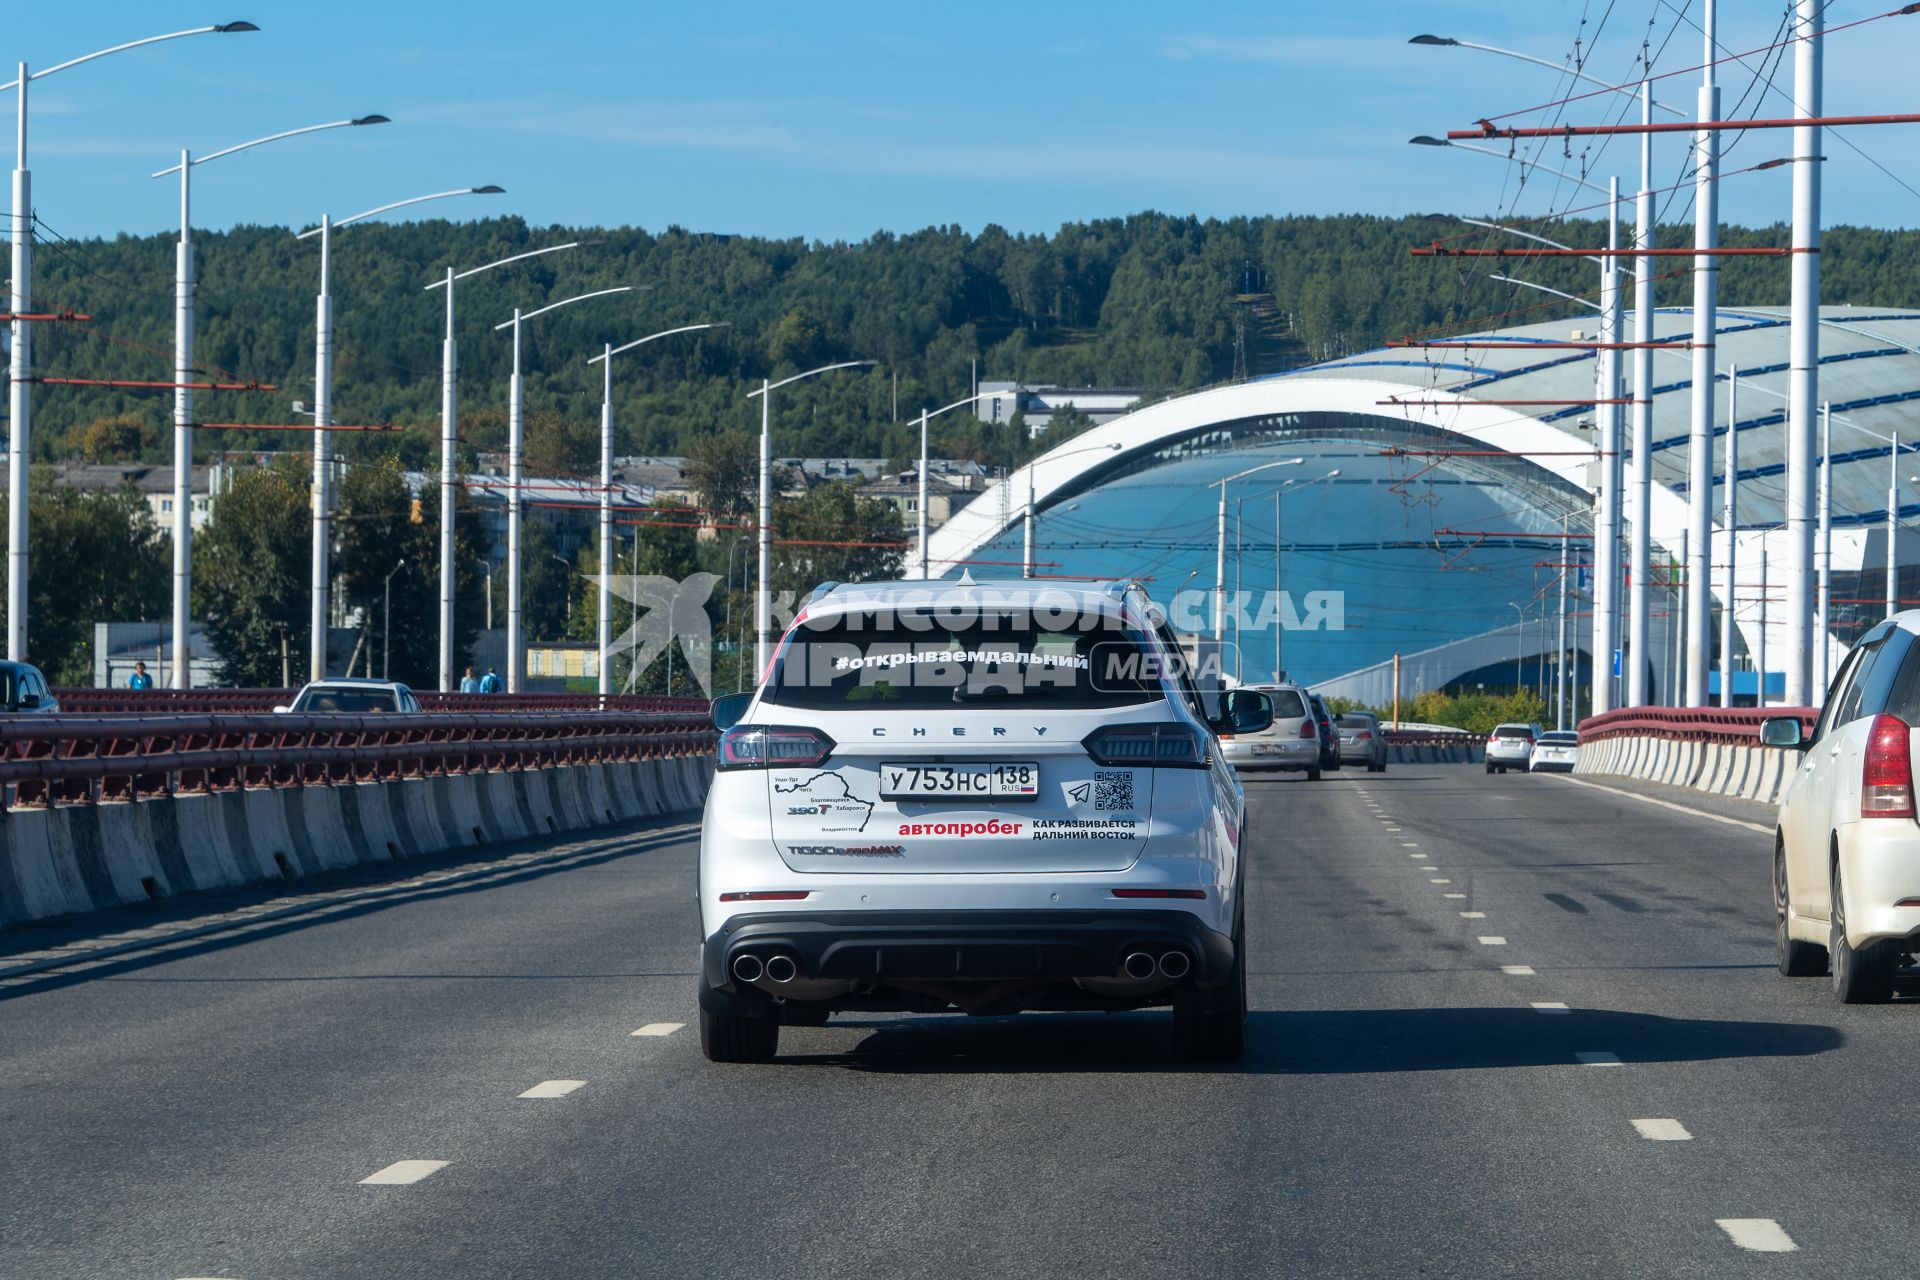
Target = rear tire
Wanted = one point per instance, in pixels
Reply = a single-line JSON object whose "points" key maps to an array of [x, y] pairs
{"points": [[1863, 976], [1313, 774], [1797, 959], [732, 1037], [1214, 1028]]}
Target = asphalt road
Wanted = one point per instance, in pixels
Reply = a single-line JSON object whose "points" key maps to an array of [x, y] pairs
{"points": [[1405, 1109]]}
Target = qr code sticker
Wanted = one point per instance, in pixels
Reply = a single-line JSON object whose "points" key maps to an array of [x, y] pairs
{"points": [[1112, 791]]}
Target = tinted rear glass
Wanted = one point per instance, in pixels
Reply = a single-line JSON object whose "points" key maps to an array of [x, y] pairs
{"points": [[1510, 731], [347, 700], [940, 658], [1560, 739], [1287, 704], [1356, 722]]}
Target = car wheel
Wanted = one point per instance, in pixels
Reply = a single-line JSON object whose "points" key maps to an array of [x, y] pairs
{"points": [[1797, 959], [1863, 976], [733, 1037], [1489, 768], [1313, 774], [1214, 1028]]}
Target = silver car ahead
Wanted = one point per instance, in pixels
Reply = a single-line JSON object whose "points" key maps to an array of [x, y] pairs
{"points": [[1557, 752], [1362, 740], [1510, 746], [1291, 742]]}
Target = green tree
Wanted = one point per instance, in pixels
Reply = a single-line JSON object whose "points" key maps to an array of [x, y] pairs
{"points": [[724, 470], [832, 534], [251, 574]]}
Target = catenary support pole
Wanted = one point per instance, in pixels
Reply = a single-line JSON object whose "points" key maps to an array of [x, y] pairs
{"points": [[603, 620], [1640, 558], [1803, 378], [1606, 542], [449, 458], [1706, 274], [183, 295], [1823, 581], [922, 522], [19, 388], [763, 596], [516, 639], [322, 462], [1893, 533], [1730, 499]]}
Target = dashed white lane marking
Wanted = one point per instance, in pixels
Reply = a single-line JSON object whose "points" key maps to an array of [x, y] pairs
{"points": [[1517, 970], [1667, 804], [553, 1088], [401, 1172], [1550, 1006], [1492, 940], [1439, 880], [1393, 831], [1429, 868], [1453, 895], [659, 1028], [1410, 844], [1597, 1058], [1473, 915], [1762, 1235], [1663, 1130]]}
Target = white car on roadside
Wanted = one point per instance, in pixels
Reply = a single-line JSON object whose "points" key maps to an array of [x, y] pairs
{"points": [[1510, 746], [973, 797], [1846, 855], [1558, 751]]}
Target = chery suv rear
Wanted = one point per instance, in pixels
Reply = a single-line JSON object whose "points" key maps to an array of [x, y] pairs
{"points": [[973, 797]]}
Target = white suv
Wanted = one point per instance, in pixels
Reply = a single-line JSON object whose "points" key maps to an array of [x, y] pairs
{"points": [[975, 797], [1846, 853]]}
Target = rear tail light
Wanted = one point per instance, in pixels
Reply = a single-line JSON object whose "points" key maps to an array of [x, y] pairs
{"points": [[1363, 736], [1159, 893], [761, 746], [1156, 746], [1886, 776], [1308, 729]]}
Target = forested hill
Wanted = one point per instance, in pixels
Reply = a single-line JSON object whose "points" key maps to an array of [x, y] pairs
{"points": [[1158, 302]]}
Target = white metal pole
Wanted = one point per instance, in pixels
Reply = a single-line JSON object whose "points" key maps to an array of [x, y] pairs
{"points": [[449, 434], [923, 493], [1606, 541], [515, 640], [1760, 688], [1220, 573], [763, 602], [183, 291], [1279, 615], [1823, 588], [1803, 378], [603, 630], [1560, 640], [322, 417], [1026, 554], [1731, 518], [1640, 558], [19, 400], [1706, 275], [1893, 532]]}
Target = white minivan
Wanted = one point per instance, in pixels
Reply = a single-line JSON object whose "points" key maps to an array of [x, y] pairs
{"points": [[1846, 855]]}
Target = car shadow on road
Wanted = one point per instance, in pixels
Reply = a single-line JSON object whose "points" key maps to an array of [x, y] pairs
{"points": [[1308, 1042]]}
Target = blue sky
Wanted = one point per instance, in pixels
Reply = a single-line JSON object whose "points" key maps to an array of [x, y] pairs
{"points": [[833, 121]]}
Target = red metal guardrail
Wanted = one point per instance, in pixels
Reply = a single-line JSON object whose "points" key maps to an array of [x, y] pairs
{"points": [[1694, 724], [70, 759], [178, 701], [1433, 738]]}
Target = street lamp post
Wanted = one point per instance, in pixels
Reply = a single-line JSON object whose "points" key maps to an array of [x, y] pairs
{"points": [[184, 286], [386, 621], [449, 413], [20, 402], [323, 409], [927, 415], [1030, 523], [516, 412], [603, 633], [1279, 620], [763, 606], [1220, 548]]}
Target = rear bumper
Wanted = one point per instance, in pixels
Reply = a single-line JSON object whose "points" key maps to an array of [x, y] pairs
{"points": [[1880, 869], [960, 946], [1272, 753]]}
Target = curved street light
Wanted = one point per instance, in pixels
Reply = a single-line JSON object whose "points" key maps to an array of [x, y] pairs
{"points": [[323, 407], [184, 287], [449, 417], [1279, 627], [20, 401], [516, 428], [763, 607], [1220, 550], [604, 620], [926, 416]]}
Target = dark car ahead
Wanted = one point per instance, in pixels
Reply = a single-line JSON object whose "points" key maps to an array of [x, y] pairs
{"points": [[1329, 733], [23, 690]]}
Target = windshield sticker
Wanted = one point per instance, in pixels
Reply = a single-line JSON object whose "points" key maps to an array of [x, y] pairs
{"points": [[942, 657], [826, 796]]}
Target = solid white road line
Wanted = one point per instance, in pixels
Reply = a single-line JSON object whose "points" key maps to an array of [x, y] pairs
{"points": [[1493, 941], [1550, 1006], [1473, 915], [553, 1089], [1517, 970], [401, 1172], [1667, 804], [1762, 1235], [1453, 895], [659, 1028], [1438, 880], [1597, 1058], [1663, 1130]]}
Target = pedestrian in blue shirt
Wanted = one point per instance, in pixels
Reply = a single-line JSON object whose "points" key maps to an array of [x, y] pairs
{"points": [[490, 682], [469, 683], [140, 679]]}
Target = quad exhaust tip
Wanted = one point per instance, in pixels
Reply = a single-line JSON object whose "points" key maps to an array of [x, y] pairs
{"points": [[1138, 965], [1175, 964], [782, 969], [747, 967]]}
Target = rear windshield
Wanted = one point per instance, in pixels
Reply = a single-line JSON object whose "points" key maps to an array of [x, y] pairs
{"points": [[348, 700], [1356, 722], [940, 658], [1512, 731], [1287, 704], [1560, 739]]}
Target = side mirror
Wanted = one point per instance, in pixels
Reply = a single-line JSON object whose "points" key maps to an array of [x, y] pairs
{"points": [[1782, 731], [282, 709], [726, 712], [1244, 711]]}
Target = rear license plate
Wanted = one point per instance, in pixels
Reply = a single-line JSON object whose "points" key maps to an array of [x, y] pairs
{"points": [[999, 780], [1265, 749]]}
